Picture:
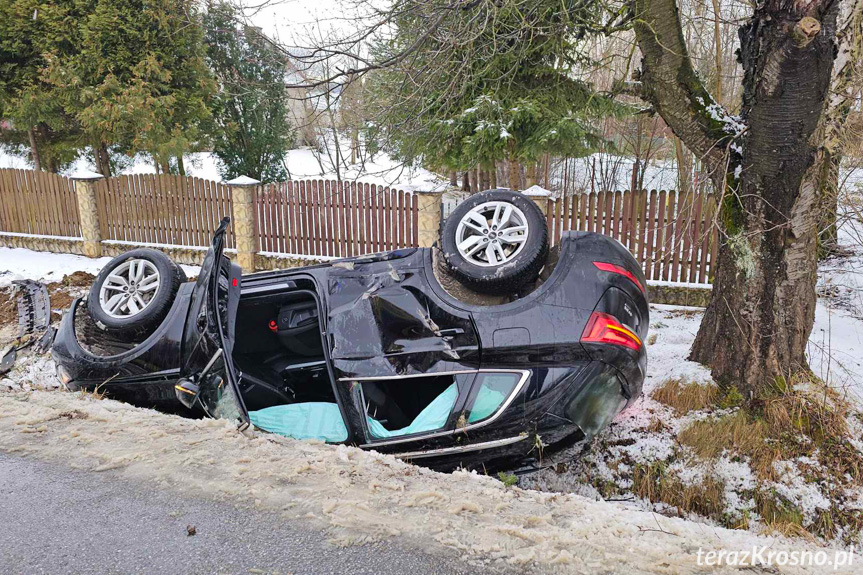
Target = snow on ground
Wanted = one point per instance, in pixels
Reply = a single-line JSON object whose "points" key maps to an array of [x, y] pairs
{"points": [[302, 163], [361, 497], [20, 263], [364, 496], [646, 435]]}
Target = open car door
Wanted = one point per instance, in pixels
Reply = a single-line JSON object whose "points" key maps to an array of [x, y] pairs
{"points": [[207, 376]]}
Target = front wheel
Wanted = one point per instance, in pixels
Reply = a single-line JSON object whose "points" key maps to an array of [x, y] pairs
{"points": [[133, 293], [495, 241]]}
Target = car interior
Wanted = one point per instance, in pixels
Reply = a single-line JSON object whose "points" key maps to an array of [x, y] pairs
{"points": [[279, 356], [403, 406]]}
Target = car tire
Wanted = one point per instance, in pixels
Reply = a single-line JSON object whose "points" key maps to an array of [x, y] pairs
{"points": [[150, 277], [482, 257]]}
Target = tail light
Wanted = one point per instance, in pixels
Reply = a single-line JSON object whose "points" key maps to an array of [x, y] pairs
{"points": [[604, 328], [607, 267]]}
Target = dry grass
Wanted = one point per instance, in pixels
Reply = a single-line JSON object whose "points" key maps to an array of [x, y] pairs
{"points": [[684, 398], [737, 433], [802, 419], [652, 482]]}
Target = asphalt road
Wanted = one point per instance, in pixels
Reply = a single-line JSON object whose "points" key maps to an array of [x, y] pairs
{"points": [[57, 520]]}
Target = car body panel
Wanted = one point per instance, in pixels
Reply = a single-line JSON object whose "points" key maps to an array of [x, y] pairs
{"points": [[386, 317]]}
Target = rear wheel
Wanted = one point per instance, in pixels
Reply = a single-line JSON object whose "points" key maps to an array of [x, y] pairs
{"points": [[133, 293], [495, 241]]}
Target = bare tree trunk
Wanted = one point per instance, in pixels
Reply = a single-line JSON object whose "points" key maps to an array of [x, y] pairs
{"points": [[34, 149], [828, 192], [757, 324], [355, 145], [513, 173], [530, 174], [546, 162], [453, 178], [468, 178], [181, 167], [684, 166], [103, 160], [494, 174], [717, 47], [465, 181], [844, 91]]}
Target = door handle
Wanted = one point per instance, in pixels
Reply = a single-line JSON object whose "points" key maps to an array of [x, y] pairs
{"points": [[450, 332]]}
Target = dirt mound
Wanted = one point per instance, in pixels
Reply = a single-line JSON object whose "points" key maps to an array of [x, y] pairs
{"points": [[78, 279], [8, 307]]}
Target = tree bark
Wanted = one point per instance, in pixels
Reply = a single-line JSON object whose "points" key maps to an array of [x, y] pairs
{"points": [[717, 48], [493, 174], [756, 327], [843, 94], [684, 166], [103, 160], [669, 82], [34, 149], [530, 174], [513, 173]]}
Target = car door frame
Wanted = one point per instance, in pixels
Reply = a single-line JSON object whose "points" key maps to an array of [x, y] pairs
{"points": [[204, 329], [273, 284]]}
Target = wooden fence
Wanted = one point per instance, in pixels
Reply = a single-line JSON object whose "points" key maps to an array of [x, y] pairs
{"points": [[38, 203], [671, 234], [162, 209], [335, 219]]}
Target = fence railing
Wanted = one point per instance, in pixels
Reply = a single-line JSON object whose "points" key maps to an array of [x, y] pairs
{"points": [[38, 203], [671, 234], [335, 219]]}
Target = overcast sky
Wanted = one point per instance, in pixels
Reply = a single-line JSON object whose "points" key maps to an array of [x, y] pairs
{"points": [[292, 21]]}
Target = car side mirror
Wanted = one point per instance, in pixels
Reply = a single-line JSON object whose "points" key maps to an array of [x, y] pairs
{"points": [[187, 392]]}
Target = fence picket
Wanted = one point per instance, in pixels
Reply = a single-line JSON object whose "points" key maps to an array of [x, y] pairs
{"points": [[659, 246], [670, 233]]}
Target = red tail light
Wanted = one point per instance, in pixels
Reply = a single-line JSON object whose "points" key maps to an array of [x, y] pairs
{"points": [[604, 328], [607, 267]]}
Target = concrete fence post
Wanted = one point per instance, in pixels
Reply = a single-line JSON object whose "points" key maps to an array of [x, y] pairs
{"points": [[428, 221], [541, 198], [88, 211], [244, 190]]}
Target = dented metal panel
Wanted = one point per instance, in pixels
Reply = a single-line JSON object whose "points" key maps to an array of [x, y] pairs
{"points": [[386, 322]]}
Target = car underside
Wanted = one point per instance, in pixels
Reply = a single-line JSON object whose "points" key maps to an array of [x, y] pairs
{"points": [[410, 352]]}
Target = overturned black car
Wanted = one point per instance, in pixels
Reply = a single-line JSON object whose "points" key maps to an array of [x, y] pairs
{"points": [[481, 353]]}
